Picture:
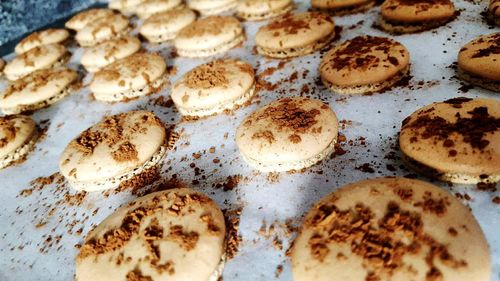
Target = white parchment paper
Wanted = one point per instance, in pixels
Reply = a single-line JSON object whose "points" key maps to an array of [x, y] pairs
{"points": [[38, 232]]}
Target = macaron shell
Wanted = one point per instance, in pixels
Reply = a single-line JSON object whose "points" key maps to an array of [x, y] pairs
{"points": [[101, 29], [238, 76], [208, 33], [109, 51], [37, 58], [15, 131], [150, 7], [199, 215], [44, 37], [39, 86], [124, 4], [140, 128], [417, 11], [336, 4], [203, 5], [364, 60], [82, 19], [169, 22], [432, 151], [130, 73], [479, 58], [453, 227], [494, 7], [262, 6], [295, 30], [262, 139]]}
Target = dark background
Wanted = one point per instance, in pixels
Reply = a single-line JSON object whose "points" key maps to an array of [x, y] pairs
{"points": [[19, 17]]}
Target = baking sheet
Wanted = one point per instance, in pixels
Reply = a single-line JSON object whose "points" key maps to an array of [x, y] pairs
{"points": [[40, 223]]}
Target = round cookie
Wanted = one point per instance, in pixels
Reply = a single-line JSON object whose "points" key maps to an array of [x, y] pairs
{"points": [[44, 37], [295, 35], [174, 235], [494, 12], [82, 19], [288, 134], [390, 229], [165, 26], [214, 87], [126, 7], [134, 76], [343, 7], [40, 57], [212, 7], [408, 16], [478, 62], [364, 64], [209, 36], [2, 65], [18, 135], [257, 10], [151, 7], [38, 90], [107, 52], [102, 29], [456, 140], [122, 150]]}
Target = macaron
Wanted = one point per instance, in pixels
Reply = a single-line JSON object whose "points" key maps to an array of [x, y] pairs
{"points": [[457, 140], [364, 64], [342, 7], [38, 90], [287, 134], [107, 52], [18, 135], [134, 76], [209, 36], [494, 11], [478, 62], [151, 7], [257, 10], [174, 235], [212, 7], [102, 29], [295, 35], [126, 7], [44, 56], [120, 150], [390, 229], [82, 19], [2, 65], [43, 37], [164, 26], [214, 87], [409, 16]]}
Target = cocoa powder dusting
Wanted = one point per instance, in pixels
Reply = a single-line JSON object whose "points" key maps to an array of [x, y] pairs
{"points": [[207, 76], [473, 128], [125, 152], [187, 240], [289, 114], [376, 240]]}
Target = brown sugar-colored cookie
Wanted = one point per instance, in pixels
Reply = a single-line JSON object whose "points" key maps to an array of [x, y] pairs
{"points": [[457, 140], [295, 35], [390, 229], [174, 235], [343, 7], [494, 12], [288, 134], [479, 62], [119, 151], [364, 64], [408, 16]]}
